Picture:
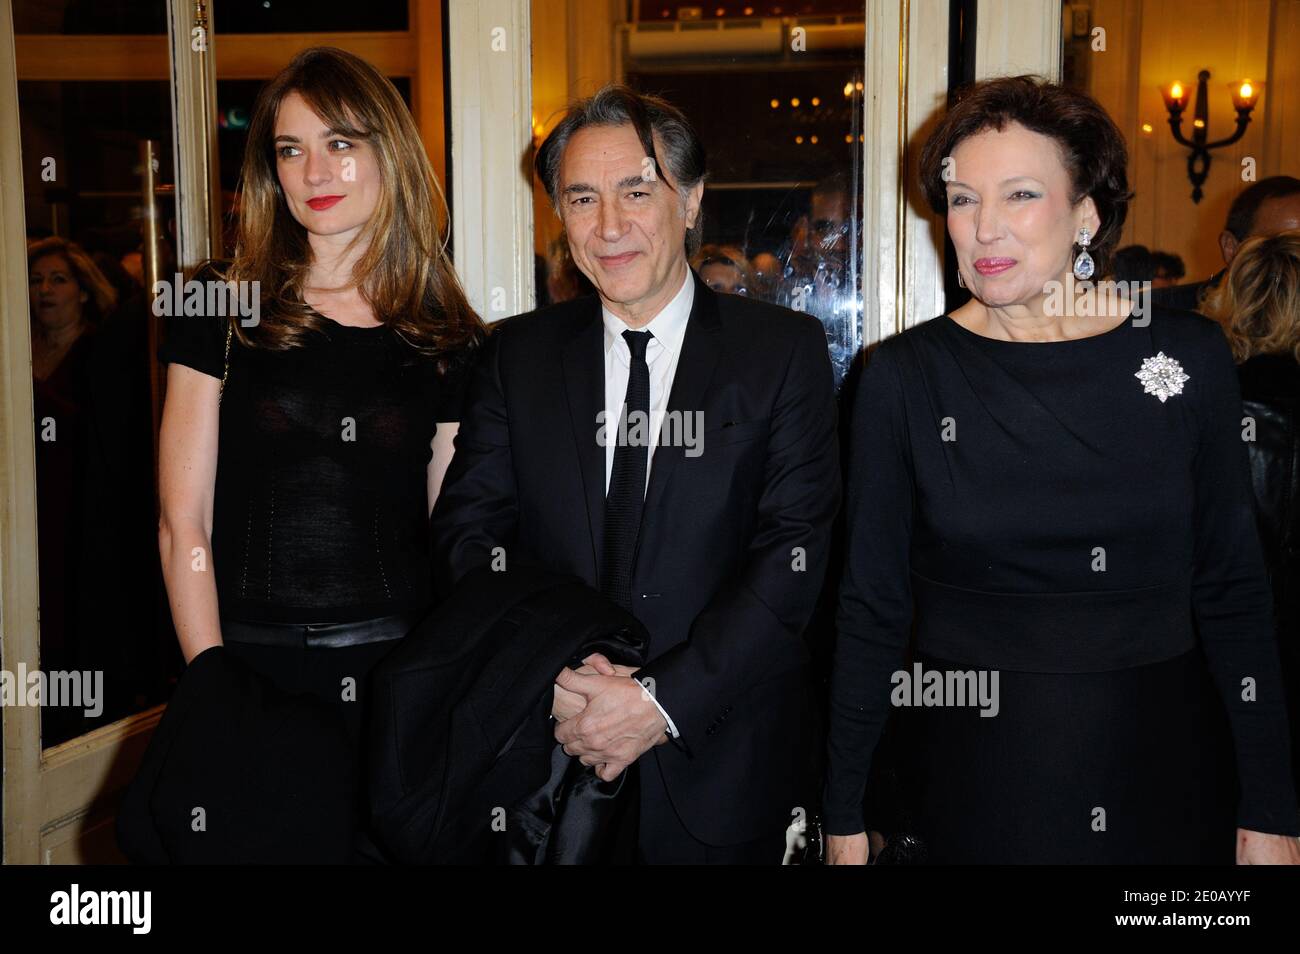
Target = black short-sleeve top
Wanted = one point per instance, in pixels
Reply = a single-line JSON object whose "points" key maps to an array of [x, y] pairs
{"points": [[320, 511]]}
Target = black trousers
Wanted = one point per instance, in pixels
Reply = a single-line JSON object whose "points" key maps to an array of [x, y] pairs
{"points": [[662, 839]]}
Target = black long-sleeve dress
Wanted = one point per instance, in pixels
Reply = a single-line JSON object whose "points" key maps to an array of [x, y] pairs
{"points": [[1040, 511]]}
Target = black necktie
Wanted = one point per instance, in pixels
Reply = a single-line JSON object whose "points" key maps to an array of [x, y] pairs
{"points": [[626, 495]]}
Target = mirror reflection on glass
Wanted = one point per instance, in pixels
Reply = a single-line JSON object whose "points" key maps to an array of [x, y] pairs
{"points": [[89, 136], [106, 644], [775, 93]]}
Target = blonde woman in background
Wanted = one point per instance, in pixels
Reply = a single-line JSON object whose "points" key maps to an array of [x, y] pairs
{"points": [[1258, 305]]}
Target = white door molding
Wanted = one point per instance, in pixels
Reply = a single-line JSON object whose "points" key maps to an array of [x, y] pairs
{"points": [[1018, 36], [906, 84], [491, 134]]}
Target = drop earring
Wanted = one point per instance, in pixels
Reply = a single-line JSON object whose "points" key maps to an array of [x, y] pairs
{"points": [[961, 282], [1083, 263]]}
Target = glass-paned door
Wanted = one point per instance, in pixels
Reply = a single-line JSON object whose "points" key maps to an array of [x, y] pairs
{"points": [[775, 92]]}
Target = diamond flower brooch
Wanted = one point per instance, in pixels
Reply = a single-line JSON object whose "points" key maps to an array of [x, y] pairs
{"points": [[1162, 376]]}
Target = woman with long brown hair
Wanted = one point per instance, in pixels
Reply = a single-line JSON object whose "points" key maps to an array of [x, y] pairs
{"points": [[301, 454], [1258, 305]]}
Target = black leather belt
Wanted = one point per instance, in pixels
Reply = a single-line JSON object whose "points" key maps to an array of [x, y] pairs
{"points": [[318, 635]]}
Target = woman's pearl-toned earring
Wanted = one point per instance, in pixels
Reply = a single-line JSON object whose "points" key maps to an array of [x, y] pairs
{"points": [[1083, 263], [961, 282]]}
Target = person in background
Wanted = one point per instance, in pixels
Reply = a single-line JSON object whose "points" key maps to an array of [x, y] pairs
{"points": [[767, 271], [724, 269], [819, 275], [564, 281], [1258, 306], [1169, 269], [69, 298], [1133, 264], [1267, 207]]}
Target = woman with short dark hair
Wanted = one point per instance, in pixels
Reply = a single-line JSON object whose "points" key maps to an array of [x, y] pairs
{"points": [[1050, 483]]}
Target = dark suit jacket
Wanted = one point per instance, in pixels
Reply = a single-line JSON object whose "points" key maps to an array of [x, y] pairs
{"points": [[460, 725], [1270, 394], [733, 542], [1186, 297]]}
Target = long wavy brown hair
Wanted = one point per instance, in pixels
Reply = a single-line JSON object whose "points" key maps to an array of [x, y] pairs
{"points": [[1258, 301], [405, 273]]}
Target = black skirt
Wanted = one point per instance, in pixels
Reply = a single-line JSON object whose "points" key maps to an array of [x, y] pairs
{"points": [[1132, 766]]}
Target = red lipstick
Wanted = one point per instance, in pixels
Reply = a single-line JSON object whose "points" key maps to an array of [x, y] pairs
{"points": [[993, 266], [322, 202]]}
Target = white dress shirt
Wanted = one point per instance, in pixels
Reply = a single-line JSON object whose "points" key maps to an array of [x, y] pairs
{"points": [[661, 356]]}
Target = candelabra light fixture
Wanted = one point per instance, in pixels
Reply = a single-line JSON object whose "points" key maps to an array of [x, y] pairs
{"points": [[1244, 96]]}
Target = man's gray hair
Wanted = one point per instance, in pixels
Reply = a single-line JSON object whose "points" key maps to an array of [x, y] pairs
{"points": [[650, 116]]}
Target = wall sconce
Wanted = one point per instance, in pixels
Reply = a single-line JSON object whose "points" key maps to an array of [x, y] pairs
{"points": [[1244, 96]]}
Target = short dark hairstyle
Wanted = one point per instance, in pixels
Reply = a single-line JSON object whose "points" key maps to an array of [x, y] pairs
{"points": [[1169, 263], [1241, 214], [1091, 145], [616, 105], [1134, 263]]}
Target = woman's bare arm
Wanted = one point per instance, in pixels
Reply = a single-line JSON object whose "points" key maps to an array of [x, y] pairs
{"points": [[187, 470]]}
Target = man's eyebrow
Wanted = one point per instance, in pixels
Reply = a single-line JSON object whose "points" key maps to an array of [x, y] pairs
{"points": [[630, 182]]}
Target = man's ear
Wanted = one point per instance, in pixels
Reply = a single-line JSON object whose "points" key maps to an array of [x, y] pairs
{"points": [[1227, 246], [693, 200]]}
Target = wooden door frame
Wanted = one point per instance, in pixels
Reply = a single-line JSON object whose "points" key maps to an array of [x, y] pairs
{"points": [[57, 799]]}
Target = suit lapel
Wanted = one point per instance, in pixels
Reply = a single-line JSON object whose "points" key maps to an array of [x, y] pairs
{"points": [[584, 382], [700, 349]]}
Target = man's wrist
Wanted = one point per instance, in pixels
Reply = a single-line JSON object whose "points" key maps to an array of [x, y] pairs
{"points": [[669, 728]]}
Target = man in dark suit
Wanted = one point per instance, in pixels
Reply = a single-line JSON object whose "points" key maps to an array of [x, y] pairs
{"points": [[714, 535], [1266, 207]]}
